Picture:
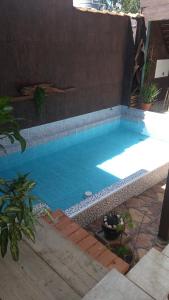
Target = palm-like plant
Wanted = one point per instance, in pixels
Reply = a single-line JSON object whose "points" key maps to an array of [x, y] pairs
{"points": [[149, 93], [17, 217]]}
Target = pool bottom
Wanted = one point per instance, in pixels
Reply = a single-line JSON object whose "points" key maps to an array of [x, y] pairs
{"points": [[94, 207], [90, 161]]}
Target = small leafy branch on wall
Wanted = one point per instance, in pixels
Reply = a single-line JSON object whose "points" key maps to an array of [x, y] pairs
{"points": [[16, 213], [27, 92], [9, 127], [38, 92]]}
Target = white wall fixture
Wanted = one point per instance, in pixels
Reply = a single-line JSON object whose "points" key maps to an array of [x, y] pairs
{"points": [[162, 68]]}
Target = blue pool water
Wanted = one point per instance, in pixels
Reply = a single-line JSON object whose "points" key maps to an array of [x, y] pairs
{"points": [[67, 167]]}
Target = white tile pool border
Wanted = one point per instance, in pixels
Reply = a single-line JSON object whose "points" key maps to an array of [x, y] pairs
{"points": [[48, 132], [93, 207], [89, 210]]}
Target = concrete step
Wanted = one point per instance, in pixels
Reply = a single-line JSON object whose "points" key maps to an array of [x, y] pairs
{"points": [[115, 286], [151, 274]]}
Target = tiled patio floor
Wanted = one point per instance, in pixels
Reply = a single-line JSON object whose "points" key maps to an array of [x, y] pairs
{"points": [[145, 211]]}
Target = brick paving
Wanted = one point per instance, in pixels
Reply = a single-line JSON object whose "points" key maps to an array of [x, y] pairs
{"points": [[145, 211]]}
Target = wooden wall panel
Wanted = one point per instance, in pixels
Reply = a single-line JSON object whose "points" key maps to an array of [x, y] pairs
{"points": [[50, 41]]}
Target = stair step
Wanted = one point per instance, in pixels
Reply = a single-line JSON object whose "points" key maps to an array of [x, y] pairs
{"points": [[151, 274], [31, 278], [76, 268], [115, 286]]}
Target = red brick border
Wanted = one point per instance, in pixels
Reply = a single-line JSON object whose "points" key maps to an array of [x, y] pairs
{"points": [[87, 243]]}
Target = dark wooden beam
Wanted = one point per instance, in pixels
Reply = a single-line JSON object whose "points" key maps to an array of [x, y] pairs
{"points": [[164, 221]]}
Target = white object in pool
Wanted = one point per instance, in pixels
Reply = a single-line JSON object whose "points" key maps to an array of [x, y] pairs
{"points": [[88, 194]]}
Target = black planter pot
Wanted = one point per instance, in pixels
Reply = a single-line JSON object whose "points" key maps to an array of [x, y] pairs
{"points": [[128, 258], [110, 234]]}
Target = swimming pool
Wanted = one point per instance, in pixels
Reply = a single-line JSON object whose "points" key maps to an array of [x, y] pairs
{"points": [[93, 159]]}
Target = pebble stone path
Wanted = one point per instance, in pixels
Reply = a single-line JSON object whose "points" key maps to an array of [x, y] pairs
{"points": [[145, 211]]}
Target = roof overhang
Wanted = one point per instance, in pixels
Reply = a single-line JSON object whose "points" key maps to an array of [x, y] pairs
{"points": [[154, 10]]}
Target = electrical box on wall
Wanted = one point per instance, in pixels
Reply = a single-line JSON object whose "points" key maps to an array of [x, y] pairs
{"points": [[162, 68]]}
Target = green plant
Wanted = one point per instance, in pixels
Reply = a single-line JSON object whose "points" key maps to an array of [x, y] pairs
{"points": [[125, 252], [9, 127], [149, 93], [39, 98], [127, 221], [16, 213], [122, 250], [130, 6]]}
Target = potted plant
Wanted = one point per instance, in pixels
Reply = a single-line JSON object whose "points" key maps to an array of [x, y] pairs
{"points": [[114, 224], [148, 95]]}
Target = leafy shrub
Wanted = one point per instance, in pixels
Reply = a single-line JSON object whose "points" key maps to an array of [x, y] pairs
{"points": [[130, 6], [16, 213], [9, 127], [149, 93]]}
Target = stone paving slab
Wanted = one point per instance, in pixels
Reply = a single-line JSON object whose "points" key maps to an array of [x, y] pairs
{"points": [[115, 286], [151, 274], [166, 250]]}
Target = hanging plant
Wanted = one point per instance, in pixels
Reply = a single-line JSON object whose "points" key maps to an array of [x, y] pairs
{"points": [[39, 99]]}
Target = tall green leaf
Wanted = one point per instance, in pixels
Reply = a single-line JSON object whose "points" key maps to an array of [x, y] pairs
{"points": [[28, 232], [14, 250], [4, 239]]}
